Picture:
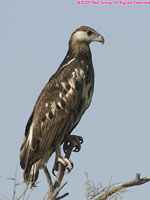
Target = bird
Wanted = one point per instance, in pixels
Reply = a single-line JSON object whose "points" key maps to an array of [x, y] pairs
{"points": [[60, 106]]}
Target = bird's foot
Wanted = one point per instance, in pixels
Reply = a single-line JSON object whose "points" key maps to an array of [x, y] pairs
{"points": [[73, 140], [65, 162]]}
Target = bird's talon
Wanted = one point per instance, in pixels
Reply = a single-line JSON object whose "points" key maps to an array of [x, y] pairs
{"points": [[53, 171], [66, 163], [73, 140]]}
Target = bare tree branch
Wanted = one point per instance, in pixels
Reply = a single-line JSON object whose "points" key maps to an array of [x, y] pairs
{"points": [[49, 180], [55, 188], [135, 182]]}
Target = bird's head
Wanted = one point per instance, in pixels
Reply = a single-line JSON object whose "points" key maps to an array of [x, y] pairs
{"points": [[81, 38], [86, 35]]}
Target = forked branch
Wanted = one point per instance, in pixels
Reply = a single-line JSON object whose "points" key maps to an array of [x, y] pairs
{"points": [[54, 188], [113, 190]]}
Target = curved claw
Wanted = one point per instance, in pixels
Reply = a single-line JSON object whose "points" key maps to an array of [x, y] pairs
{"points": [[68, 169], [53, 172], [55, 168], [81, 139], [77, 148], [75, 140], [65, 162]]}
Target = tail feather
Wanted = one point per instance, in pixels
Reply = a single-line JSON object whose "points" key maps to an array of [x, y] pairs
{"points": [[31, 174], [24, 155]]}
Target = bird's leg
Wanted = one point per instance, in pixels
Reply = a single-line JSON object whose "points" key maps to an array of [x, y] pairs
{"points": [[73, 140], [59, 159]]}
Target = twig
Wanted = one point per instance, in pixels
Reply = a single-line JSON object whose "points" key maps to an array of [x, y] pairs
{"points": [[22, 196], [29, 193], [64, 195], [135, 182], [49, 180], [14, 192]]}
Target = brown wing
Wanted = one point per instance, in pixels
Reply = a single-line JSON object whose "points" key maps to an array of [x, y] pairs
{"points": [[57, 111]]}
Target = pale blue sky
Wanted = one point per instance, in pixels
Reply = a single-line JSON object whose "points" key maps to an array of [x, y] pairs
{"points": [[34, 39]]}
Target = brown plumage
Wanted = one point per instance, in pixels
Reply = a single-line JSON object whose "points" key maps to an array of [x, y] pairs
{"points": [[60, 105]]}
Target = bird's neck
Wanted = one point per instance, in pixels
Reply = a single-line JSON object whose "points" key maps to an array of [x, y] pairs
{"points": [[79, 50]]}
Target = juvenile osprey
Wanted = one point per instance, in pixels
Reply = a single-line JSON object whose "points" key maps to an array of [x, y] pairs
{"points": [[60, 105]]}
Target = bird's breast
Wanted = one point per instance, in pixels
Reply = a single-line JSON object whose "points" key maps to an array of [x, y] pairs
{"points": [[84, 85]]}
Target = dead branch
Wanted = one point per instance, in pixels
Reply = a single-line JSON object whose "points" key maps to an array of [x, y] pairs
{"points": [[54, 188], [135, 182]]}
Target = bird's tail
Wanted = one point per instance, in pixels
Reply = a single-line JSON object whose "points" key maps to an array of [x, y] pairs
{"points": [[31, 174], [31, 170]]}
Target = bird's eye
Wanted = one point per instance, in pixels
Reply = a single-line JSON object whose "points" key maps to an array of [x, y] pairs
{"points": [[89, 33]]}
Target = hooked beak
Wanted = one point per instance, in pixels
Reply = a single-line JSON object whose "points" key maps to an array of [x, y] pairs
{"points": [[100, 38]]}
